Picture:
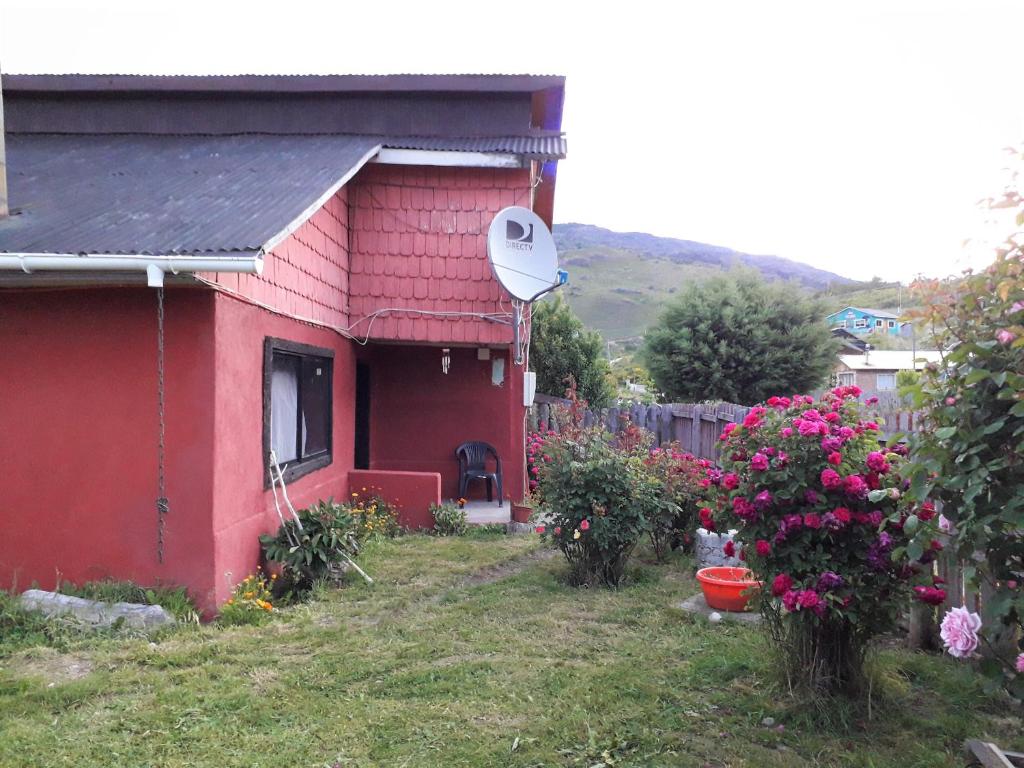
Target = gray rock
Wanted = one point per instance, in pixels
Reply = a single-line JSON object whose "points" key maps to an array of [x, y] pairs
{"points": [[94, 612], [698, 605]]}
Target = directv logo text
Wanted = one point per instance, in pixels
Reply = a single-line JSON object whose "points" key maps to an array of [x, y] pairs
{"points": [[518, 238]]}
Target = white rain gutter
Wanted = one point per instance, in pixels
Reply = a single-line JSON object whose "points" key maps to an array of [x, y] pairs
{"points": [[155, 267]]}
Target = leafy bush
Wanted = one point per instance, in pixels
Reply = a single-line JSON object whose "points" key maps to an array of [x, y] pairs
{"points": [[970, 449], [561, 347], [815, 502], [250, 602], [450, 519], [314, 548], [596, 496], [375, 517], [681, 479], [740, 339]]}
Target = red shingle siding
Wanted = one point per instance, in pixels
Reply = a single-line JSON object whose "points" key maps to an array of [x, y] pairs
{"points": [[420, 242], [308, 273]]}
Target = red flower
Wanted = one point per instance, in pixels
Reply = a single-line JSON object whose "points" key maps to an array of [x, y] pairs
{"points": [[558, 530], [831, 479], [835, 458], [842, 514], [731, 480], [812, 520], [782, 584], [539, 529], [729, 549], [930, 595], [585, 525], [763, 548]]}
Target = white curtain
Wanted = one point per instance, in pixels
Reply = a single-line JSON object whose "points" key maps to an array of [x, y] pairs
{"points": [[284, 408]]}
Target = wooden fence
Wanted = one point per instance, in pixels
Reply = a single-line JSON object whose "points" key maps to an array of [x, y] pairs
{"points": [[695, 426]]}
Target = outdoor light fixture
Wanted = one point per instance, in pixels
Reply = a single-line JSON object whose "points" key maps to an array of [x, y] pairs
{"points": [[446, 360]]}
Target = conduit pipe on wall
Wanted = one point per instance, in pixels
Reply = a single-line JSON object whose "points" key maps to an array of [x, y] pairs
{"points": [[154, 266]]}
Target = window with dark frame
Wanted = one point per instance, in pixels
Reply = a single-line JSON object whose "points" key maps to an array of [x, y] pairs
{"points": [[297, 406]]}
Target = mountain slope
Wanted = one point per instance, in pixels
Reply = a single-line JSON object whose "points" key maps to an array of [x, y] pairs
{"points": [[619, 280]]}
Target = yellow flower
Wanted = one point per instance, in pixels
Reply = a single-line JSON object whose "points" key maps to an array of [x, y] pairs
{"points": [[576, 534], [248, 595], [273, 576], [230, 601]]}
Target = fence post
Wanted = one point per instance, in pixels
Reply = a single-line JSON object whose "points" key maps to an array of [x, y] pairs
{"points": [[695, 430]]}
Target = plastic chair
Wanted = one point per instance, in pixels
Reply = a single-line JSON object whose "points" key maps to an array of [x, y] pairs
{"points": [[472, 458]]}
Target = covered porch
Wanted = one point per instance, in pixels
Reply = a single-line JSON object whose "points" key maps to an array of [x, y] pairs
{"points": [[415, 404]]}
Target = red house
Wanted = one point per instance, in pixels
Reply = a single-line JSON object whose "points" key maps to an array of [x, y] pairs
{"points": [[327, 294]]}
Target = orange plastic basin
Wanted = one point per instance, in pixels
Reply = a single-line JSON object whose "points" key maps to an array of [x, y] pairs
{"points": [[727, 589]]}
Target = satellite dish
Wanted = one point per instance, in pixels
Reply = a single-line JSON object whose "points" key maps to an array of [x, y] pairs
{"points": [[522, 254]]}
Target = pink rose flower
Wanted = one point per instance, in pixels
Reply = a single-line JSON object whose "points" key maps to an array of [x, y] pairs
{"points": [[959, 632], [945, 524], [1020, 664], [558, 530], [585, 525], [1005, 337], [759, 463], [763, 548], [877, 462], [835, 458], [787, 432], [831, 479], [540, 529], [729, 549], [731, 480]]}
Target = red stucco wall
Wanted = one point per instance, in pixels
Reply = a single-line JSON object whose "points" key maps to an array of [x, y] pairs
{"points": [[411, 492], [78, 430], [419, 415], [242, 509]]}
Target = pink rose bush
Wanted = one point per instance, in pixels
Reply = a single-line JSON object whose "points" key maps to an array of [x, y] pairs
{"points": [[596, 494], [816, 501]]}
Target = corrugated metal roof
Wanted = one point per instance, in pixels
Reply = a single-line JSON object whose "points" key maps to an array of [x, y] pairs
{"points": [[542, 147], [250, 83], [166, 194]]}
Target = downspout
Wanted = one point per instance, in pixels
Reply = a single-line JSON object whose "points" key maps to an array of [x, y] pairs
{"points": [[155, 267]]}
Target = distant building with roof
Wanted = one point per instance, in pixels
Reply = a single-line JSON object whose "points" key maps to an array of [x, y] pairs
{"points": [[859, 320], [874, 371]]}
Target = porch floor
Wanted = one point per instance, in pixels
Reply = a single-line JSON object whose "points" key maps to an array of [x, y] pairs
{"points": [[483, 512]]}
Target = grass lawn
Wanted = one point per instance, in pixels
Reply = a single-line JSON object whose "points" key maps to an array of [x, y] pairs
{"points": [[468, 652]]}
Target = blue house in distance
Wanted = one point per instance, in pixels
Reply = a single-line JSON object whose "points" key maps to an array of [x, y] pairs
{"points": [[863, 321]]}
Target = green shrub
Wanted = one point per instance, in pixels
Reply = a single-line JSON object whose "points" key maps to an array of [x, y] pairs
{"points": [[680, 479], [968, 450], [314, 548], [449, 519], [597, 497]]}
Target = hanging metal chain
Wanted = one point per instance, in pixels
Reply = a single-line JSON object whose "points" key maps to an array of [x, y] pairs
{"points": [[162, 505]]}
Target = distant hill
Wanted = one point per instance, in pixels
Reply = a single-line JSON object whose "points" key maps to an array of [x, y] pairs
{"points": [[618, 281]]}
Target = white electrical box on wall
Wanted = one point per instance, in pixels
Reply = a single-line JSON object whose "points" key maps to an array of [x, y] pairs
{"points": [[529, 387]]}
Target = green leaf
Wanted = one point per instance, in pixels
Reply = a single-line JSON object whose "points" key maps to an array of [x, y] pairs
{"points": [[915, 550], [944, 433]]}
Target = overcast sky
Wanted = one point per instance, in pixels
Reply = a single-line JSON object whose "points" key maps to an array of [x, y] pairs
{"points": [[855, 136]]}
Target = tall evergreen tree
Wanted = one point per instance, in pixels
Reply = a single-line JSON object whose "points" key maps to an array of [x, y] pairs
{"points": [[740, 339], [560, 346]]}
